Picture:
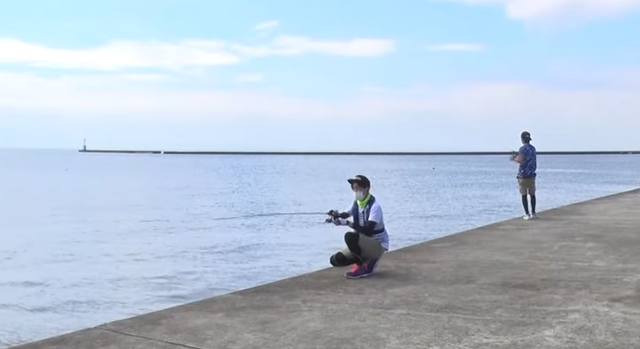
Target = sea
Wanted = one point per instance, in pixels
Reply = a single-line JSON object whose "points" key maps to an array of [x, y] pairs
{"points": [[88, 238]]}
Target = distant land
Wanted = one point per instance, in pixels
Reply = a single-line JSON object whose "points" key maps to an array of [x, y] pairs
{"points": [[170, 152]]}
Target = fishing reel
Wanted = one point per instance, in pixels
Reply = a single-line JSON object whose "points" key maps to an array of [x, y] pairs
{"points": [[334, 214]]}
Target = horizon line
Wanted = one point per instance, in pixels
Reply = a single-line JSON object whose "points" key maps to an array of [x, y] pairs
{"points": [[368, 153]]}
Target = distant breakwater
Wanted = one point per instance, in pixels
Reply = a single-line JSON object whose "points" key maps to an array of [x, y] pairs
{"points": [[174, 152]]}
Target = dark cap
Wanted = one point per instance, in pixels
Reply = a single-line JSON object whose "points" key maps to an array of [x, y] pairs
{"points": [[526, 136], [361, 180]]}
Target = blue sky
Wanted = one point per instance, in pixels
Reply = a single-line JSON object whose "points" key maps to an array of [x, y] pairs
{"points": [[320, 75]]}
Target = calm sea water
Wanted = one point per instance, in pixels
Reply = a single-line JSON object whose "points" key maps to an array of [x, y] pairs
{"points": [[91, 238]]}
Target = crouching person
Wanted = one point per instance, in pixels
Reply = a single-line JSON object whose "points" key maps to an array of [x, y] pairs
{"points": [[369, 240]]}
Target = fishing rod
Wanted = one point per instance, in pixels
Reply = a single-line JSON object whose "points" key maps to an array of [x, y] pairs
{"points": [[272, 214]]}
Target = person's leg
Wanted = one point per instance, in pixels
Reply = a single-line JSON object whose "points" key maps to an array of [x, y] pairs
{"points": [[522, 184], [350, 255], [525, 204], [352, 239], [371, 251], [370, 247], [532, 194], [375, 251], [346, 256], [343, 258]]}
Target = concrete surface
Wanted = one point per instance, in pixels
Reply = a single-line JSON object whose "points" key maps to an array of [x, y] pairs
{"points": [[567, 280]]}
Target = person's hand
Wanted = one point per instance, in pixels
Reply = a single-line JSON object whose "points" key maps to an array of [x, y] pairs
{"points": [[338, 214], [333, 213]]}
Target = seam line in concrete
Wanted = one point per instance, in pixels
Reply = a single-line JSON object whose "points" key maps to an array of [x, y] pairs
{"points": [[147, 338]]}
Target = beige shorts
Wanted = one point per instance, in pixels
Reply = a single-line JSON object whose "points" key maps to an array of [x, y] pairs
{"points": [[527, 186], [370, 247]]}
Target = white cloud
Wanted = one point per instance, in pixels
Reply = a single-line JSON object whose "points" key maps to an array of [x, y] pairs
{"points": [[114, 96], [250, 78], [456, 47], [532, 10], [266, 25], [183, 55], [119, 55], [142, 110], [295, 45]]}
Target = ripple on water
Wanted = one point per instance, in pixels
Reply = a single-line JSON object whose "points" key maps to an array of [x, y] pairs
{"points": [[24, 284], [9, 338]]}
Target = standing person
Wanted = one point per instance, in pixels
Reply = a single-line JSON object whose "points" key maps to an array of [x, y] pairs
{"points": [[369, 239], [527, 158]]}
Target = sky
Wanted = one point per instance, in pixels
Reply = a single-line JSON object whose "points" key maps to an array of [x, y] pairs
{"points": [[270, 75]]}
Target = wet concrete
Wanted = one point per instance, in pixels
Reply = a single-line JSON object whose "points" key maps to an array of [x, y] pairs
{"points": [[568, 280]]}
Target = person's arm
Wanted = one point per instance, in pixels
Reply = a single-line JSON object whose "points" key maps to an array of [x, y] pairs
{"points": [[513, 155], [375, 216], [519, 156], [522, 155]]}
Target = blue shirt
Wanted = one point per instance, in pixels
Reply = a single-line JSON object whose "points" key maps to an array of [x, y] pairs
{"points": [[529, 165]]}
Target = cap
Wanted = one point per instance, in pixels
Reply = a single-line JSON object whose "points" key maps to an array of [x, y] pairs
{"points": [[526, 135], [361, 180]]}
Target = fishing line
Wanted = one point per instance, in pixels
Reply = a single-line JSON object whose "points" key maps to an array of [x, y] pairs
{"points": [[273, 214]]}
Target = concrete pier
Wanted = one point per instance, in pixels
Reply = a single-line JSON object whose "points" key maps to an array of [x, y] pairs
{"points": [[568, 280]]}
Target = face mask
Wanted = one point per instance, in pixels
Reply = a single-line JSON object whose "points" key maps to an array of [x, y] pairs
{"points": [[359, 195]]}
